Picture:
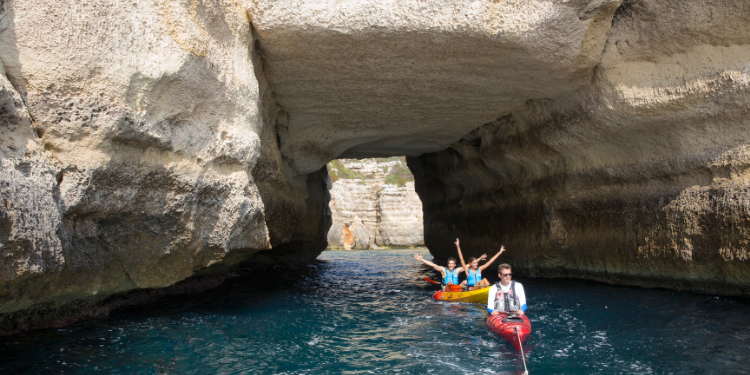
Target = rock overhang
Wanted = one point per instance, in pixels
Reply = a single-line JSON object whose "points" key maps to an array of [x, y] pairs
{"points": [[366, 79], [158, 152]]}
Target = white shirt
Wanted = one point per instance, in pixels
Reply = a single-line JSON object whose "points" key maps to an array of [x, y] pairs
{"points": [[505, 288]]}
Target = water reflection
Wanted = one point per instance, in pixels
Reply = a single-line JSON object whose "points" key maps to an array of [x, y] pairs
{"points": [[371, 312]]}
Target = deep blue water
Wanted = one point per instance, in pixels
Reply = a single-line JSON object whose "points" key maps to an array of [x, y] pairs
{"points": [[368, 312]]}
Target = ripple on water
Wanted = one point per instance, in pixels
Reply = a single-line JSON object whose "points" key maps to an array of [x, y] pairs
{"points": [[370, 312]]}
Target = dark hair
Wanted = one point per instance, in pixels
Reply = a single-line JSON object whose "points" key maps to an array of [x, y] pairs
{"points": [[451, 259], [504, 266], [472, 259]]}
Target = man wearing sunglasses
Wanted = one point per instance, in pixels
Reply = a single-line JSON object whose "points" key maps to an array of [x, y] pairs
{"points": [[507, 295]]}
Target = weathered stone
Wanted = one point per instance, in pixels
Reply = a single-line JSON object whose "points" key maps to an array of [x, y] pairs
{"points": [[382, 78], [639, 177], [353, 203], [31, 249], [370, 210], [129, 133], [399, 216], [308, 239], [145, 142]]}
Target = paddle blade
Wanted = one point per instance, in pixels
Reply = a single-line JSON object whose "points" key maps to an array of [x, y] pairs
{"points": [[431, 281]]}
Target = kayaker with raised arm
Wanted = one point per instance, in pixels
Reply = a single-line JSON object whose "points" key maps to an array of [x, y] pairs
{"points": [[506, 295], [450, 274], [474, 278]]}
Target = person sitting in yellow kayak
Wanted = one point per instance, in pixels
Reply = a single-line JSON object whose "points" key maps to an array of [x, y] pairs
{"points": [[474, 278], [450, 275]]}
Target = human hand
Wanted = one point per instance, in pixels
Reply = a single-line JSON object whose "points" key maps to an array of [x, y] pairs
{"points": [[483, 257], [417, 257], [456, 242], [502, 248], [494, 313]]}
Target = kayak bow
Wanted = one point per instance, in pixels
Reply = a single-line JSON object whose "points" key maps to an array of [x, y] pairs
{"points": [[513, 329], [472, 296]]}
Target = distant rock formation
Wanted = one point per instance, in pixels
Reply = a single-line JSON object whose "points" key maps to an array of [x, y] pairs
{"points": [[373, 204]]}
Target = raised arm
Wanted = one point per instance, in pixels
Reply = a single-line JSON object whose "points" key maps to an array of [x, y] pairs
{"points": [[427, 262], [482, 267], [461, 258]]}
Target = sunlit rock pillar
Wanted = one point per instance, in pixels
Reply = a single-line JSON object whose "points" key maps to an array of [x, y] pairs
{"points": [[132, 141]]}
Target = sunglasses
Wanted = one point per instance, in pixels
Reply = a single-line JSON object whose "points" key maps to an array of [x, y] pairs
{"points": [[506, 274]]}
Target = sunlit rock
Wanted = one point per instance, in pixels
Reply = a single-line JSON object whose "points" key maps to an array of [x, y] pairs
{"points": [[129, 132], [373, 204], [143, 143]]}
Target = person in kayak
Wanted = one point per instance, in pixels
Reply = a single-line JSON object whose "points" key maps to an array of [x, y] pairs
{"points": [[474, 278], [506, 295], [450, 274]]}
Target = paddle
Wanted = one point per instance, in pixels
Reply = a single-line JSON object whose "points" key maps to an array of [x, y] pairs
{"points": [[525, 370], [431, 281]]}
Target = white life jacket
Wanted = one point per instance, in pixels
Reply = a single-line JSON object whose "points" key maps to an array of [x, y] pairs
{"points": [[507, 301]]}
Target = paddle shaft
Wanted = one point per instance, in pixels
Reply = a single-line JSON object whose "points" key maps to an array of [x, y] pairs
{"points": [[520, 345]]}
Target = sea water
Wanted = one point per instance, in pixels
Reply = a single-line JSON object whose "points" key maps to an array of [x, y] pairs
{"points": [[371, 312]]}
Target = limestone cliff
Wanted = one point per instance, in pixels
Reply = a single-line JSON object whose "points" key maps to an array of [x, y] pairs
{"points": [[373, 203], [137, 149], [145, 142], [601, 139], [640, 176]]}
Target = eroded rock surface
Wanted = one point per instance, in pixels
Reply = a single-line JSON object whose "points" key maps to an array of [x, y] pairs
{"points": [[146, 142], [639, 177], [146, 120], [373, 202], [131, 135], [602, 139], [381, 78]]}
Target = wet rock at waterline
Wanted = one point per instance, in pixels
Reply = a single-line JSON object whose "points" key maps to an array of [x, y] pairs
{"points": [[145, 143]]}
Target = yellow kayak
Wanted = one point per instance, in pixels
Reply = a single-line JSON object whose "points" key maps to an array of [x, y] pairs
{"points": [[472, 296]]}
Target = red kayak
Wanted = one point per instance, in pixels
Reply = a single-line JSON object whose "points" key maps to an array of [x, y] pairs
{"points": [[514, 329]]}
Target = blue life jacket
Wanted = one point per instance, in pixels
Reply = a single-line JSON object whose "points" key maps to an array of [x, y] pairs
{"points": [[474, 278], [451, 277]]}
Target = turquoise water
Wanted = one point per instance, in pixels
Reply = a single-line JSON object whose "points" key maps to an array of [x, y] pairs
{"points": [[368, 312]]}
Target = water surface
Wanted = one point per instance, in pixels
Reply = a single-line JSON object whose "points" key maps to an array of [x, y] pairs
{"points": [[367, 312]]}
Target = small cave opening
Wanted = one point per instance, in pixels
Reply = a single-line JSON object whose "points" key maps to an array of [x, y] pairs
{"points": [[374, 205]]}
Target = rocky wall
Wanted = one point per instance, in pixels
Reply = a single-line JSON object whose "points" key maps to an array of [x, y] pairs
{"points": [[131, 136], [399, 216], [374, 206], [354, 213], [639, 177], [145, 142]]}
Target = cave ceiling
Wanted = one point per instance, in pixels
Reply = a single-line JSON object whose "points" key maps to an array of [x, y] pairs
{"points": [[365, 79]]}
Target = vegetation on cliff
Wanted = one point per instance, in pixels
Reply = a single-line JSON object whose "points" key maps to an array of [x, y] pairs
{"points": [[394, 168], [399, 174], [339, 171]]}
